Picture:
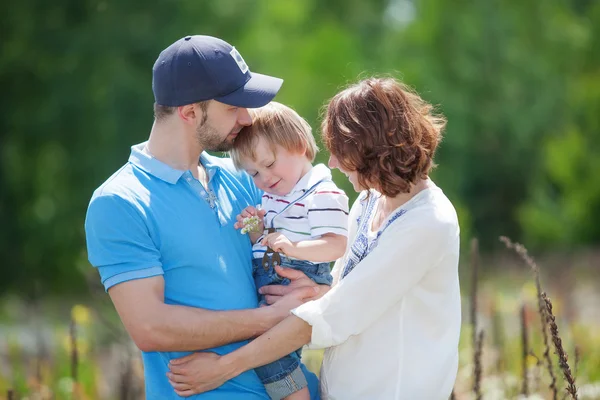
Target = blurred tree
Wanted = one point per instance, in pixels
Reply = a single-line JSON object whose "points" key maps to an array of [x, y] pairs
{"points": [[563, 208], [518, 82], [499, 70], [77, 83]]}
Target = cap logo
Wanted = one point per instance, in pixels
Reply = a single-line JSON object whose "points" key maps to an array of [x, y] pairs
{"points": [[239, 60]]}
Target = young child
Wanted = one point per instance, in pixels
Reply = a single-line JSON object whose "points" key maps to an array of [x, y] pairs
{"points": [[305, 217]]}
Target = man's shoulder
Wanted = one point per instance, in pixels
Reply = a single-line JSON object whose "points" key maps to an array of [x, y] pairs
{"points": [[119, 199], [124, 184], [121, 183]]}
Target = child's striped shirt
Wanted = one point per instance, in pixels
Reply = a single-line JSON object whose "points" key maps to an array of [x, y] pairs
{"points": [[314, 207]]}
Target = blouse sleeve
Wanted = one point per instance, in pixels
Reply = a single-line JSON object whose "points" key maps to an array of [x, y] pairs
{"points": [[406, 251]]}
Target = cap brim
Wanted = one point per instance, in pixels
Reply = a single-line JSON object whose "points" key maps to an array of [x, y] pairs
{"points": [[257, 92]]}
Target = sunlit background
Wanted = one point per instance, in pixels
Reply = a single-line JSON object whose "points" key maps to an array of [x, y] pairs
{"points": [[519, 82]]}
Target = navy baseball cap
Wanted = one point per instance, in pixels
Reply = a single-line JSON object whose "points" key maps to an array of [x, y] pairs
{"points": [[198, 68]]}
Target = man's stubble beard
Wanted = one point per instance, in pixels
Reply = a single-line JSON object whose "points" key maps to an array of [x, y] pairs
{"points": [[210, 139]]}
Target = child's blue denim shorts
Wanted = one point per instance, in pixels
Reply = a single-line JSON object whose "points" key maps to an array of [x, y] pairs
{"points": [[284, 376], [319, 273]]}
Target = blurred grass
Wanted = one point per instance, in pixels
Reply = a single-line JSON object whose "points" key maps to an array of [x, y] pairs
{"points": [[36, 352]]}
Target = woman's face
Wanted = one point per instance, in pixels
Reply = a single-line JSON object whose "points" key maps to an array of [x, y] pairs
{"points": [[351, 175]]}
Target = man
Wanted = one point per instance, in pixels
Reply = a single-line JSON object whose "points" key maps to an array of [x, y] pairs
{"points": [[160, 230]]}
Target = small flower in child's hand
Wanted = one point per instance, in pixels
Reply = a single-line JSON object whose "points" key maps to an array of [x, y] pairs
{"points": [[251, 224]]}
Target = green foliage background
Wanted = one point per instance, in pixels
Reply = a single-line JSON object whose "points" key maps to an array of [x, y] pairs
{"points": [[518, 81]]}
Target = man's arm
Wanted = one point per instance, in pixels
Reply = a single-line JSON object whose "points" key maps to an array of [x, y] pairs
{"points": [[156, 326], [200, 372], [129, 263]]}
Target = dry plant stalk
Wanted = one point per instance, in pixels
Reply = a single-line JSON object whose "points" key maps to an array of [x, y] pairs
{"points": [[478, 366], [562, 355], [497, 336], [74, 353], [10, 395], [474, 280], [476, 343], [525, 353], [522, 252], [577, 359]]}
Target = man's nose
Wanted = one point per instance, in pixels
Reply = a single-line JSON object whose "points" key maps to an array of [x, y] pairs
{"points": [[243, 117]]}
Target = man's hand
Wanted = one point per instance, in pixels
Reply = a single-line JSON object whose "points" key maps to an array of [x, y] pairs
{"points": [[198, 373], [301, 289]]}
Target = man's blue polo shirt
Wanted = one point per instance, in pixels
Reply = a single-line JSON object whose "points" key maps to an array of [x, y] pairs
{"points": [[149, 219]]}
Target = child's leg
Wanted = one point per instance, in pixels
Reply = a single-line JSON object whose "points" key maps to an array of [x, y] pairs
{"points": [[261, 278], [302, 394], [283, 377]]}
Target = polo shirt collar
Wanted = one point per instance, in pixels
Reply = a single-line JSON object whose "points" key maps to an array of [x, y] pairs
{"points": [[144, 161], [315, 174], [210, 163]]}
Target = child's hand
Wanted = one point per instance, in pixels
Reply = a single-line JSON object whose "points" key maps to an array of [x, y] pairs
{"points": [[251, 219], [278, 242]]}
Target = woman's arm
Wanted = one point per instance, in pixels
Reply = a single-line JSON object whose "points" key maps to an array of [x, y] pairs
{"points": [[406, 252], [289, 335], [157, 326], [200, 372]]}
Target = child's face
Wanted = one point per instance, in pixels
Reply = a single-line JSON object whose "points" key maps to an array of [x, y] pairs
{"points": [[277, 171]]}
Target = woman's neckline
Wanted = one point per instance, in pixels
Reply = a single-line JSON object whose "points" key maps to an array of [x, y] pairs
{"points": [[428, 189]]}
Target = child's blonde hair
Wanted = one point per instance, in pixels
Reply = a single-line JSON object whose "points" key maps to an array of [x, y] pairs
{"points": [[278, 125]]}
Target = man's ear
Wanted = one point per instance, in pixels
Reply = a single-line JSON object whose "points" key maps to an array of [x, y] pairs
{"points": [[188, 113]]}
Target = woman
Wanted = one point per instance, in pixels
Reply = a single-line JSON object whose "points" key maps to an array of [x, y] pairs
{"points": [[391, 322]]}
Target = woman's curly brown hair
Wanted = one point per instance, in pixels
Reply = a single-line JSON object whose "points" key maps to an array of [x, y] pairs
{"points": [[384, 131]]}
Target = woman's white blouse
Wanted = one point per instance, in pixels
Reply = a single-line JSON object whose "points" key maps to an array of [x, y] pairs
{"points": [[391, 326]]}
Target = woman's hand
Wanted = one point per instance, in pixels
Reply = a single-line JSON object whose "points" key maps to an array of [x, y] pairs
{"points": [[300, 290], [198, 373]]}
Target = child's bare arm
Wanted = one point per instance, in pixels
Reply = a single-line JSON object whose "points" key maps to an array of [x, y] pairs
{"points": [[328, 247], [254, 236]]}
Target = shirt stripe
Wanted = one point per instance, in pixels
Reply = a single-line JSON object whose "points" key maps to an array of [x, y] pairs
{"points": [[327, 209], [329, 192], [289, 230], [287, 202], [328, 227]]}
